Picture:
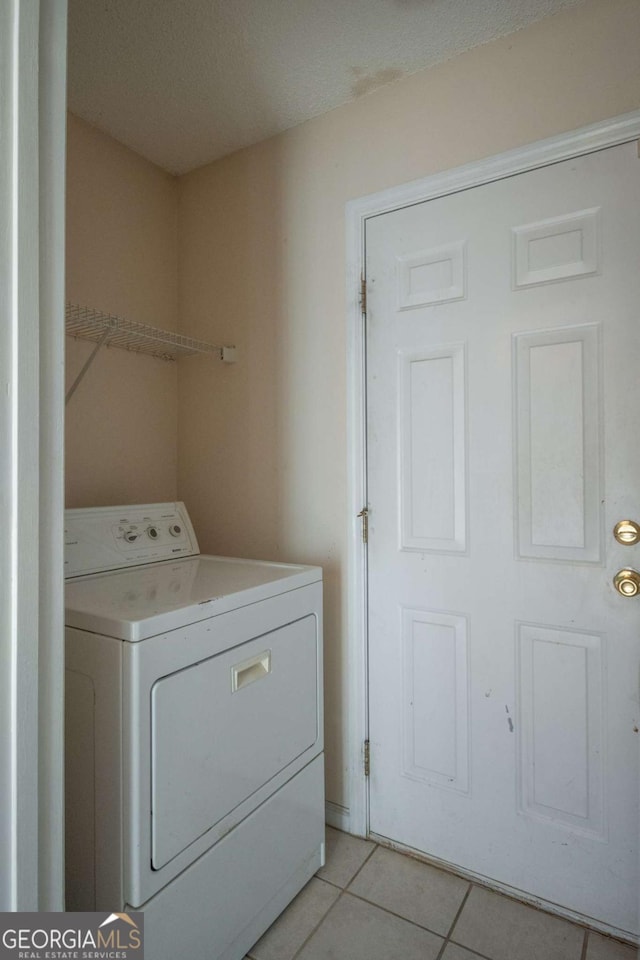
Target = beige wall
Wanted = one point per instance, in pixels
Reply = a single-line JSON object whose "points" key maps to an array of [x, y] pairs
{"points": [[258, 246], [121, 429], [262, 445]]}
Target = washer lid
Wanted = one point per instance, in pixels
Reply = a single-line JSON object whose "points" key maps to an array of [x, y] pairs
{"points": [[147, 600]]}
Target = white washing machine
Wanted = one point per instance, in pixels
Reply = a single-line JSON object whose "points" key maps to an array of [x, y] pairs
{"points": [[194, 763]]}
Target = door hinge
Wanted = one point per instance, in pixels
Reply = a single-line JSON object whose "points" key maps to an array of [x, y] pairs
{"points": [[363, 296], [364, 514], [367, 758]]}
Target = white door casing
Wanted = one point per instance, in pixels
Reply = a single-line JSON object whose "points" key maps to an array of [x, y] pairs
{"points": [[501, 338], [32, 176]]}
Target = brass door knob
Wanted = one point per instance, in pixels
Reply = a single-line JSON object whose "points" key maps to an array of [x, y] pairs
{"points": [[627, 582], [627, 532]]}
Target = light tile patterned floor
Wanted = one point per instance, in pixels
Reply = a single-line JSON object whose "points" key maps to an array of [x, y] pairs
{"points": [[370, 903]]}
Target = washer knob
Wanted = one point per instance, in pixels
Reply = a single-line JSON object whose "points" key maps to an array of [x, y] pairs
{"points": [[131, 536], [152, 533], [175, 529]]}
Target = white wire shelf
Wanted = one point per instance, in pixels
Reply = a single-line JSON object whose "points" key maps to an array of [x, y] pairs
{"points": [[86, 323], [105, 329]]}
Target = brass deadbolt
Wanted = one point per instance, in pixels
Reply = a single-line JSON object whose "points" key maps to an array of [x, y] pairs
{"points": [[627, 532], [627, 582]]}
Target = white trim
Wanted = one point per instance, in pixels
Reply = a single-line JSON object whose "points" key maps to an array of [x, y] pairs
{"points": [[597, 136], [337, 816], [7, 882], [357, 726], [52, 152], [23, 310], [32, 48]]}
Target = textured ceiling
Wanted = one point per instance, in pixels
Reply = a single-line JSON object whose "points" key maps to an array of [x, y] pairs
{"points": [[183, 82]]}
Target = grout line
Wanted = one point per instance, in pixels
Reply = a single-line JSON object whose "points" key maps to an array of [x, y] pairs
{"points": [[360, 868], [460, 909], [446, 938], [337, 900], [392, 913], [442, 949], [318, 924], [331, 883], [472, 952], [455, 920]]}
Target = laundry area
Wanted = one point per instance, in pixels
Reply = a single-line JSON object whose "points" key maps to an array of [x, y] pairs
{"points": [[351, 515], [193, 730]]}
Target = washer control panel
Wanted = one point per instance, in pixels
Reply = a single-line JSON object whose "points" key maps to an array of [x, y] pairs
{"points": [[110, 538]]}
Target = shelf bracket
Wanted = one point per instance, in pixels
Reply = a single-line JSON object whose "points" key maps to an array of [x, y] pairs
{"points": [[76, 383]]}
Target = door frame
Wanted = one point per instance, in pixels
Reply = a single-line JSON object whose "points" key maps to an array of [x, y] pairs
{"points": [[597, 136], [33, 43]]}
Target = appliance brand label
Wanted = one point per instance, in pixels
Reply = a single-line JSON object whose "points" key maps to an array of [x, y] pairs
{"points": [[71, 936]]}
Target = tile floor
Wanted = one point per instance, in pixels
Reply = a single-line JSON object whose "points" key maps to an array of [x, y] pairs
{"points": [[370, 903]]}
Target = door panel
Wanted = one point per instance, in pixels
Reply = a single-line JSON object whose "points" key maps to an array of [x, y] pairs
{"points": [[502, 406], [432, 449], [561, 737], [558, 432]]}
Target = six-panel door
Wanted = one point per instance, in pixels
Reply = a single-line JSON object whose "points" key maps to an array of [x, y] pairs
{"points": [[503, 337]]}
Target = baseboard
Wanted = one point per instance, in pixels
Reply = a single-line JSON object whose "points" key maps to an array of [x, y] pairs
{"points": [[337, 816]]}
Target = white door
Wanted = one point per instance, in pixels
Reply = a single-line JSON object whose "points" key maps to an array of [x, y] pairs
{"points": [[503, 347]]}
